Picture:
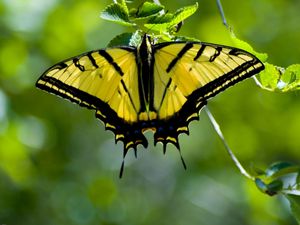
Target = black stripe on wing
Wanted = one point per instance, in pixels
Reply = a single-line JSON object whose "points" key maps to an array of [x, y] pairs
{"points": [[229, 79], [111, 61], [179, 56]]}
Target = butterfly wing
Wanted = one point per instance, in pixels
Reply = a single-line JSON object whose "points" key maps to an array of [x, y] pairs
{"points": [[105, 80], [187, 74]]}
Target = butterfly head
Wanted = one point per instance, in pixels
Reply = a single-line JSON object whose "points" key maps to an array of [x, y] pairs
{"points": [[145, 49], [146, 42]]}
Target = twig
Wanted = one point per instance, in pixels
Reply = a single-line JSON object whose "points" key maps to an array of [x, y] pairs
{"points": [[257, 82], [231, 154], [222, 13]]}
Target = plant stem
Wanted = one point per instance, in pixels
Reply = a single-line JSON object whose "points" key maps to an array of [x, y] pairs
{"points": [[231, 154], [222, 13]]}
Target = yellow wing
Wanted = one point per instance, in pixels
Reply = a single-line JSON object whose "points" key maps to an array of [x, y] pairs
{"points": [[105, 80], [187, 74], [184, 76]]}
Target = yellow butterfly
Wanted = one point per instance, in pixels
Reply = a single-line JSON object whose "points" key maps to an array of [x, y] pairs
{"points": [[160, 87]]}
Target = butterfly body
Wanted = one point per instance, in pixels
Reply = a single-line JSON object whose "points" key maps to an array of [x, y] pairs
{"points": [[161, 87], [146, 87]]}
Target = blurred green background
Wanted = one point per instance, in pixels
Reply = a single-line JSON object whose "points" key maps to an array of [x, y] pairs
{"points": [[59, 166]]}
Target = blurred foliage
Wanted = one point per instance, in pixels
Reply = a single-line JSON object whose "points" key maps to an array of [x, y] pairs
{"points": [[59, 166]]}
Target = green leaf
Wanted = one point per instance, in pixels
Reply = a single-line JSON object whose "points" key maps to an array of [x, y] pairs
{"points": [[133, 12], [279, 169], [120, 40], [136, 39], [291, 191], [247, 47], [117, 13], [149, 9], [269, 77], [126, 39], [295, 206], [255, 171], [261, 185], [161, 19], [183, 13], [180, 15], [274, 187], [124, 6], [291, 77], [275, 78], [280, 177], [270, 189]]}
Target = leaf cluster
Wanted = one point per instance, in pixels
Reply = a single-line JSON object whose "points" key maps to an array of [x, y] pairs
{"points": [[149, 18], [281, 178]]}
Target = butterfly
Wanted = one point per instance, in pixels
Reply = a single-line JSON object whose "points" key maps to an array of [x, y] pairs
{"points": [[159, 87]]}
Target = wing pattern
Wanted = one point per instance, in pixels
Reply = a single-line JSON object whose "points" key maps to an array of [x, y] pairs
{"points": [[186, 75], [103, 80]]}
